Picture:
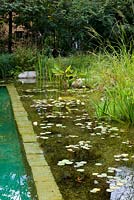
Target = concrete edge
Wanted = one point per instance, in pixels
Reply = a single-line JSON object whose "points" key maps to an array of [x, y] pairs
{"points": [[46, 186]]}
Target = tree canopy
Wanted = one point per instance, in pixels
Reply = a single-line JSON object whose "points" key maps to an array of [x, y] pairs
{"points": [[73, 24]]}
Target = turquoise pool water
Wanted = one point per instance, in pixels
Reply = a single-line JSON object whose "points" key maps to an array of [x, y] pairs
{"points": [[14, 178]]}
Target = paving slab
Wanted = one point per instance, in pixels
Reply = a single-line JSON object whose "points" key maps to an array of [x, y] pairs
{"points": [[46, 186]]}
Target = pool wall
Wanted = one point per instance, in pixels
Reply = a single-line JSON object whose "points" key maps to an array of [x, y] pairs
{"points": [[45, 184]]}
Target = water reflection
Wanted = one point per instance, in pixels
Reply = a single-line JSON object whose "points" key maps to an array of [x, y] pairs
{"points": [[126, 191], [27, 80]]}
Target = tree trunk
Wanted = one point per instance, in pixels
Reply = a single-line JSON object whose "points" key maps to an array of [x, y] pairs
{"points": [[10, 32]]}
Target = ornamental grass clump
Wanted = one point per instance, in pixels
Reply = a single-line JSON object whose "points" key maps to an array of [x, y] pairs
{"points": [[118, 99]]}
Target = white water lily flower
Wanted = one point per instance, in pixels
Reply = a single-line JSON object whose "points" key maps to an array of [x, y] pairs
{"points": [[117, 159], [42, 124], [64, 162], [92, 134], [83, 162], [104, 175], [78, 101], [35, 123], [80, 170], [109, 190], [98, 133], [98, 127], [127, 142], [70, 150], [119, 184], [89, 123], [43, 127], [80, 164], [69, 162], [73, 146], [98, 164], [118, 156], [95, 174], [114, 187], [44, 138], [111, 168], [46, 133], [96, 182], [110, 177], [124, 154], [112, 136], [84, 147], [114, 129], [125, 159], [58, 125], [79, 119], [118, 170], [50, 124], [99, 176], [94, 190], [79, 124], [81, 143], [88, 141], [110, 171], [73, 136]]}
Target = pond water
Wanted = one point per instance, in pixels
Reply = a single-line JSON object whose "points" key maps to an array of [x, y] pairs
{"points": [[15, 181], [90, 159]]}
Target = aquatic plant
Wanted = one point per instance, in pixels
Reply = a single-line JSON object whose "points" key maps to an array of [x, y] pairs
{"points": [[118, 99], [63, 74]]}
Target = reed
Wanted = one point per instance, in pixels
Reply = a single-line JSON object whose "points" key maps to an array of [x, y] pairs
{"points": [[118, 98]]}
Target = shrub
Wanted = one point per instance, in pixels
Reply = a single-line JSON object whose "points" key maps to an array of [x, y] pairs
{"points": [[7, 64], [25, 58]]}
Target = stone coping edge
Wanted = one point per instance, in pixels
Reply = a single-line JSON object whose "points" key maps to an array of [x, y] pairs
{"points": [[46, 186]]}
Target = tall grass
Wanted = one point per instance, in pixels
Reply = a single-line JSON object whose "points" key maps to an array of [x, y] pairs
{"points": [[118, 98]]}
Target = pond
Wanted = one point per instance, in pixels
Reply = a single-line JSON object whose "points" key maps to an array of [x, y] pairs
{"points": [[16, 180], [90, 159]]}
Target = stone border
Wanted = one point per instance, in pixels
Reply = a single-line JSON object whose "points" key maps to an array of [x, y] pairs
{"points": [[46, 186]]}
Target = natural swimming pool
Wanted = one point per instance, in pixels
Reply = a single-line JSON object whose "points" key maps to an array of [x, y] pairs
{"points": [[16, 182], [90, 159]]}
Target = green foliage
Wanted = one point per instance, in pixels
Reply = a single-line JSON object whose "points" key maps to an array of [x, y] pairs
{"points": [[64, 74], [118, 99], [73, 25], [7, 64], [41, 67], [25, 58]]}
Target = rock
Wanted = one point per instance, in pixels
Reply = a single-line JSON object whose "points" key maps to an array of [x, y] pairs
{"points": [[78, 83], [27, 74]]}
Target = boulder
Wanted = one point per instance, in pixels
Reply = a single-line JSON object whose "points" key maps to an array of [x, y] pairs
{"points": [[27, 74], [78, 83]]}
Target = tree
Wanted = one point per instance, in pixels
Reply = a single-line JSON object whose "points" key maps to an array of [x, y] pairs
{"points": [[72, 24], [27, 8]]}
